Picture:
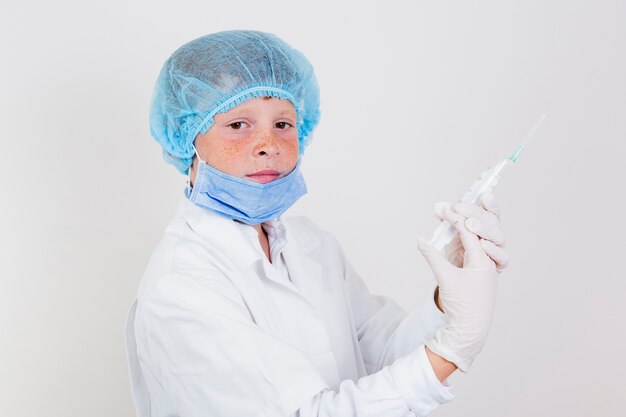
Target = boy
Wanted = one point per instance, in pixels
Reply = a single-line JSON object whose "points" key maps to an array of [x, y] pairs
{"points": [[242, 312]]}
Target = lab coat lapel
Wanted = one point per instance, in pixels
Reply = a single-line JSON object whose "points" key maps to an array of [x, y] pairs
{"points": [[306, 276]]}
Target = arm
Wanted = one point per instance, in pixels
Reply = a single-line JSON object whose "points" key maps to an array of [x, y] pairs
{"points": [[437, 301], [212, 359], [442, 367], [385, 331], [398, 332], [404, 388]]}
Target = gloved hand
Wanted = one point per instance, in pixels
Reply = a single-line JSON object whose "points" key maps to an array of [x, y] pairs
{"points": [[483, 221], [467, 294]]}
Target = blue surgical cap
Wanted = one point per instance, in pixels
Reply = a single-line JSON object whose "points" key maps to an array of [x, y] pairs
{"points": [[217, 72]]}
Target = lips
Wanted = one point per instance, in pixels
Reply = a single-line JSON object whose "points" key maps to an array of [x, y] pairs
{"points": [[265, 176]]}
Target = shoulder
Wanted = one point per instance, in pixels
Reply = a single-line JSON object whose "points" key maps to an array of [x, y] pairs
{"points": [[206, 291], [177, 249], [194, 240]]}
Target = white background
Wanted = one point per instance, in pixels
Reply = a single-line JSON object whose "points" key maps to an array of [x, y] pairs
{"points": [[417, 99]]}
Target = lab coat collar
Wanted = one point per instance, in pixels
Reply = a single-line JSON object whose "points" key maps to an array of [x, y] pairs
{"points": [[227, 235], [232, 237]]}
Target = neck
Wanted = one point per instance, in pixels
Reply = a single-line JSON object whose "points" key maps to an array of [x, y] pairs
{"points": [[259, 229], [263, 240]]}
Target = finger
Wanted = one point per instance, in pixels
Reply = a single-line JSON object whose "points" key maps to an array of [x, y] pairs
{"points": [[472, 210], [488, 231], [489, 203], [474, 253], [497, 254], [454, 251], [437, 262], [440, 208]]}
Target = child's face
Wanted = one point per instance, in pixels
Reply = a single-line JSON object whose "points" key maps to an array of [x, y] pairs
{"points": [[258, 135]]}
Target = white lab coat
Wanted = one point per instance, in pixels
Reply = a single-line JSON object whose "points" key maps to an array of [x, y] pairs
{"points": [[217, 330]]}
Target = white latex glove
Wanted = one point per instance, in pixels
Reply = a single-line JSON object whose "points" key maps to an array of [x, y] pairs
{"points": [[484, 221], [467, 294]]}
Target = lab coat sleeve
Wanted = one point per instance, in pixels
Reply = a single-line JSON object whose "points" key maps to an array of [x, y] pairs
{"points": [[385, 331], [407, 388], [417, 327], [212, 359]]}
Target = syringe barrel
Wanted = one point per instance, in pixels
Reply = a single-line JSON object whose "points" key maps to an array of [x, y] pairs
{"points": [[487, 181], [443, 235]]}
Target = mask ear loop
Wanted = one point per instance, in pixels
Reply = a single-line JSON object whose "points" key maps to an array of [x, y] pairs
{"points": [[189, 174]]}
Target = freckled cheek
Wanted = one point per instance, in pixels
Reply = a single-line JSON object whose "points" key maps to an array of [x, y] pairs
{"points": [[234, 156], [291, 149], [228, 158]]}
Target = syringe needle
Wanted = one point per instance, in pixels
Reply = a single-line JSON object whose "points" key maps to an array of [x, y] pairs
{"points": [[527, 138]]}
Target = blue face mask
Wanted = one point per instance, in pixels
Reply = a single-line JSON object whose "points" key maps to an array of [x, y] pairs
{"points": [[247, 201]]}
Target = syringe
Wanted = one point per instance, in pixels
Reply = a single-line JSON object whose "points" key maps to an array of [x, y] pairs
{"points": [[485, 183]]}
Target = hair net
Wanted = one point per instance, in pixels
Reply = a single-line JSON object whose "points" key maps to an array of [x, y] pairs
{"points": [[217, 72]]}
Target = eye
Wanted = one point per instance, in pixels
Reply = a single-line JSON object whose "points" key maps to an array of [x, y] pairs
{"points": [[283, 125], [237, 125]]}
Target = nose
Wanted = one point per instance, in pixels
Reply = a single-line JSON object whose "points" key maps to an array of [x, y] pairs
{"points": [[267, 145]]}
